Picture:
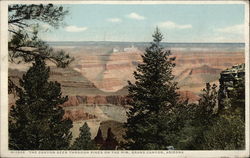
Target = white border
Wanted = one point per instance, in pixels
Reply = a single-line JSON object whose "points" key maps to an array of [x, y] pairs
{"points": [[183, 153], [247, 84], [4, 78], [127, 2]]}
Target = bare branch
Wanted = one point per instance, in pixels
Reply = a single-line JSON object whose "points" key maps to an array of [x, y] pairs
{"points": [[15, 20]]}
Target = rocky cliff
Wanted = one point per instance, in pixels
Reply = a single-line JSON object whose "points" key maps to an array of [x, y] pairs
{"points": [[193, 79], [96, 100], [230, 79], [78, 115]]}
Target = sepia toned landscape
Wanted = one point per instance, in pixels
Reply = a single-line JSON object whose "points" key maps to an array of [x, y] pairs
{"points": [[122, 83]]}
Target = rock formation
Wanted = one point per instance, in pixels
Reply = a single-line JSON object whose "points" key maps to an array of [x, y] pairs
{"points": [[229, 78], [118, 100], [109, 71], [78, 115]]}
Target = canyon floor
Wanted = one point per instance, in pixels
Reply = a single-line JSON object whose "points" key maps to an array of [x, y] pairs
{"points": [[96, 80]]}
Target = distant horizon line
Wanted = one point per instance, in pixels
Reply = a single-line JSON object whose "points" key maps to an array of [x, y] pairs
{"points": [[149, 42]]}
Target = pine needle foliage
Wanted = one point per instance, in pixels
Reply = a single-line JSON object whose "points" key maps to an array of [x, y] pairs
{"points": [[84, 142], [153, 116], [36, 121]]}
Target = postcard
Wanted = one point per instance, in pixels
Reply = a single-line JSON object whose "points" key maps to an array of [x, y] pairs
{"points": [[124, 78]]}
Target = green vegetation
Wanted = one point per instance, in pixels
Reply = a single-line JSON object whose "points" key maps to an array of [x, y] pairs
{"points": [[199, 117], [24, 23], [24, 45], [209, 129], [154, 117], [84, 142], [228, 130], [157, 120], [226, 133], [36, 121]]}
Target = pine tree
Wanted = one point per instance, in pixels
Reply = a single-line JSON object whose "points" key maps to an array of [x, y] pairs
{"points": [[207, 104], [22, 18], [84, 142], [201, 117], [99, 138], [36, 121], [153, 119], [24, 44], [228, 130], [110, 142]]}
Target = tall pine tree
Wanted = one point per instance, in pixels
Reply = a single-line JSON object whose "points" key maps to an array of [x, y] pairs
{"points": [[36, 121], [207, 103], [199, 118], [99, 138], [84, 142], [153, 118]]}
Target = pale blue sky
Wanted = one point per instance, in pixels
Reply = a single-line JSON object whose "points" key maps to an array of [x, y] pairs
{"points": [[177, 22]]}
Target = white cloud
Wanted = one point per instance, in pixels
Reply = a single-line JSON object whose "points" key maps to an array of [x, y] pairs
{"points": [[234, 33], [75, 28], [173, 25], [135, 16], [114, 20], [235, 29]]}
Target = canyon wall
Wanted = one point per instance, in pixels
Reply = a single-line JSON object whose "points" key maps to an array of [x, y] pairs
{"points": [[92, 100], [110, 71]]}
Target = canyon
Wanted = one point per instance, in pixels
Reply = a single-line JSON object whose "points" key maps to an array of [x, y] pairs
{"points": [[96, 82]]}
